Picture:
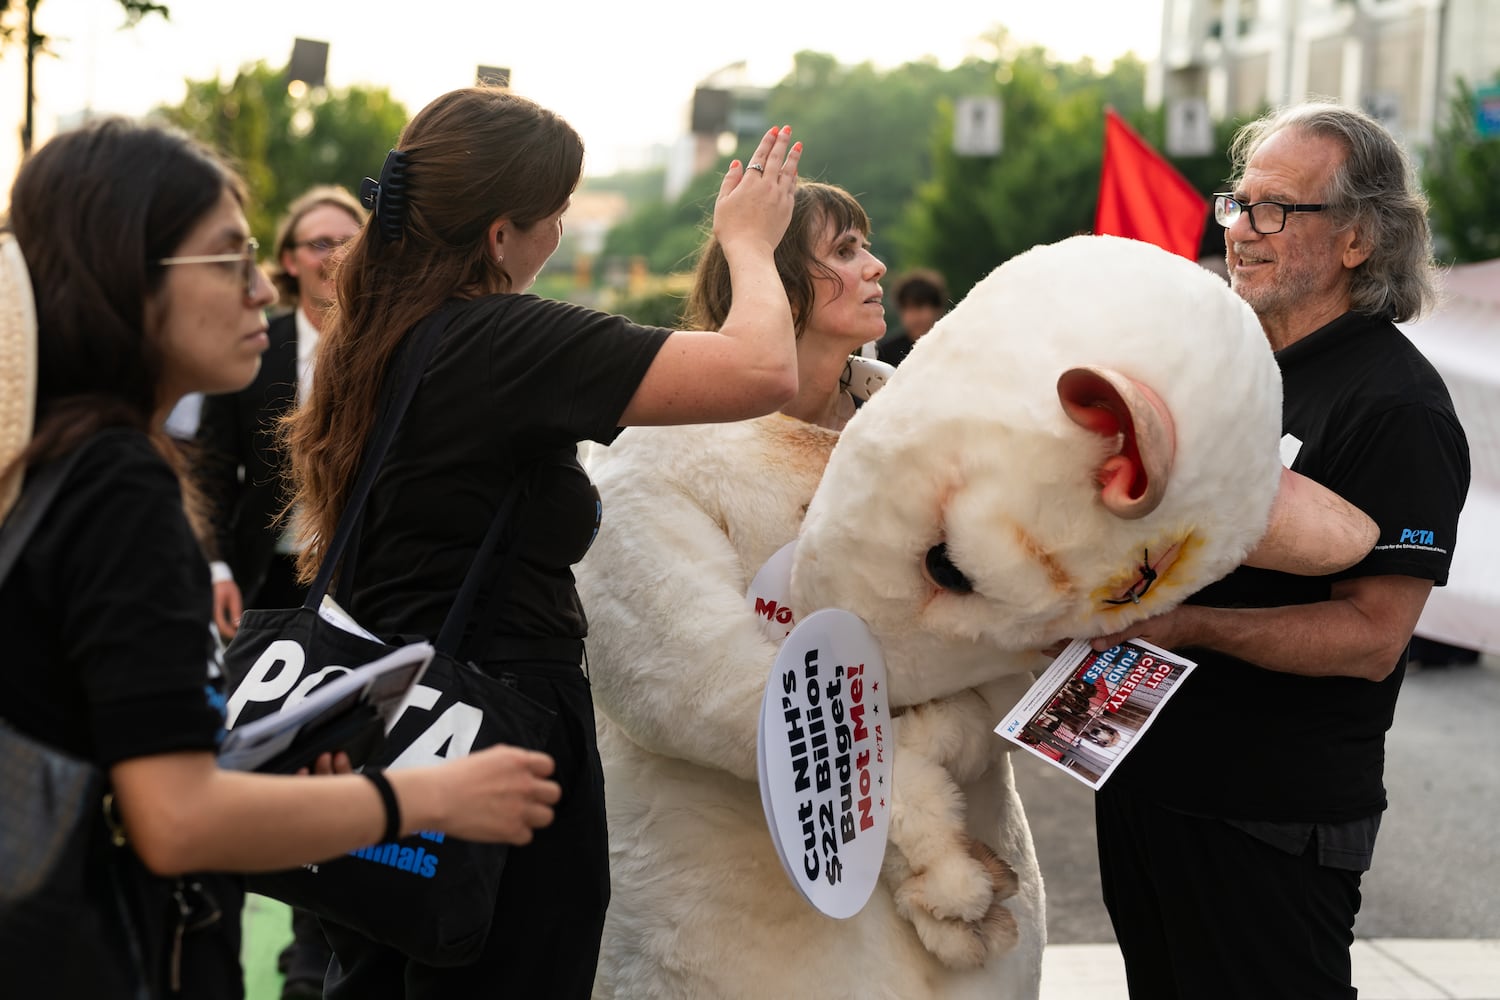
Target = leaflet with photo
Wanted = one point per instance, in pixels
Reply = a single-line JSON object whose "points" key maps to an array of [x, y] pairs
{"points": [[1089, 708]]}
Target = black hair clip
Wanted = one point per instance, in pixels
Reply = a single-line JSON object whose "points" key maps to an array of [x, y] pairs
{"points": [[386, 198]]}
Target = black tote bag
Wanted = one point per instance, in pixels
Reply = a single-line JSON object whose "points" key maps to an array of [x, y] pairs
{"points": [[430, 896]]}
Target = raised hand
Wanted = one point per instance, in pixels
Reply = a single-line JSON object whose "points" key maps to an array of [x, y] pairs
{"points": [[755, 200]]}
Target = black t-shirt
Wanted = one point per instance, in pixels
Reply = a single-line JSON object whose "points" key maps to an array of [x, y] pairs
{"points": [[106, 614], [894, 347], [1367, 416], [516, 381]]}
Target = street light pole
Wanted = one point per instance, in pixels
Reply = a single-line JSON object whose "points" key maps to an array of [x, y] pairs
{"points": [[26, 124]]}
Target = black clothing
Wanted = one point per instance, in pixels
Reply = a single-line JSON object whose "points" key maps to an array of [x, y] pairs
{"points": [[1377, 427], [241, 464], [1213, 858], [1213, 912], [516, 380], [549, 916], [894, 347], [106, 615]]}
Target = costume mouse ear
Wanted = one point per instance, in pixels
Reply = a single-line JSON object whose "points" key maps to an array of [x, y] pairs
{"points": [[17, 366], [1133, 479], [1313, 531]]}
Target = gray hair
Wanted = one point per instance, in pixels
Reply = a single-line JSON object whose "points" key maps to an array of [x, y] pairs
{"points": [[1374, 192]]}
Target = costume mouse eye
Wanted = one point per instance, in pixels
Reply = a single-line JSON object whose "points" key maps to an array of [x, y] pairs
{"points": [[944, 573]]}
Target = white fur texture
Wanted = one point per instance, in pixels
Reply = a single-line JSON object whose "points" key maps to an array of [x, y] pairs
{"points": [[967, 445]]}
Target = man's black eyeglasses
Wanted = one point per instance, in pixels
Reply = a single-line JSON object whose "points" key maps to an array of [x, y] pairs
{"points": [[1266, 217]]}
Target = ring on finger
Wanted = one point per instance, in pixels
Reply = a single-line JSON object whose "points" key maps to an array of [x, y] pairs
{"points": [[756, 166]]}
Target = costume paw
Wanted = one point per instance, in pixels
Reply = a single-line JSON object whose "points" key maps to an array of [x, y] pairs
{"points": [[956, 906]]}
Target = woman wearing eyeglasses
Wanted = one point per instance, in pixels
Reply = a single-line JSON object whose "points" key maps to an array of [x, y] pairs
{"points": [[146, 288]]}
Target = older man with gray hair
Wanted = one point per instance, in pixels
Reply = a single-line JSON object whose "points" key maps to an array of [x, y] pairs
{"points": [[1232, 868]]}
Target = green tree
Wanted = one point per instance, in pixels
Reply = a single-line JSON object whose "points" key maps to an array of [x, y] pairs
{"points": [[35, 44], [870, 131], [864, 129], [887, 137], [1460, 175], [667, 233], [284, 143], [976, 212]]}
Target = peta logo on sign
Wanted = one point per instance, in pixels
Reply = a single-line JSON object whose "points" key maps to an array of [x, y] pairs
{"points": [[1416, 536]]}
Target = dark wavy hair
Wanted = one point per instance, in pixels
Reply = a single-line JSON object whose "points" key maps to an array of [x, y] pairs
{"points": [[473, 156], [814, 207], [92, 210], [1374, 192]]}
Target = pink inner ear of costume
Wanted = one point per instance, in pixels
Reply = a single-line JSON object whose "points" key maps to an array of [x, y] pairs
{"points": [[1133, 479]]}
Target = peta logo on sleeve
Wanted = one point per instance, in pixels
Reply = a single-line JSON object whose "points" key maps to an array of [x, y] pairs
{"points": [[1420, 539]]}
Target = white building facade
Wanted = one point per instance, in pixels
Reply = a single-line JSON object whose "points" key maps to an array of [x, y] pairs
{"points": [[1398, 59]]}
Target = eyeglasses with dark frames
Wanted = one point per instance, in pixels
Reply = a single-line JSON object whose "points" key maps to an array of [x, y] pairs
{"points": [[248, 258], [322, 245], [1266, 217]]}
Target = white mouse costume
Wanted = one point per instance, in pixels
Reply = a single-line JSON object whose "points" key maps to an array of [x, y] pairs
{"points": [[1092, 409]]}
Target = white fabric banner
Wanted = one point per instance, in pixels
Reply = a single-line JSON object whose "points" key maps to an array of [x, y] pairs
{"points": [[1462, 340]]}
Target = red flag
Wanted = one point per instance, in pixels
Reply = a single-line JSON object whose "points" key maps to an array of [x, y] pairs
{"points": [[1142, 196]]}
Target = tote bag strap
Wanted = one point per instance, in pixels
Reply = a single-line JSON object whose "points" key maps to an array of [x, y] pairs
{"points": [[396, 397], [397, 394], [37, 495], [455, 626]]}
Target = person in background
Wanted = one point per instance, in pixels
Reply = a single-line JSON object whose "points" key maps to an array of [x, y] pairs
{"points": [[241, 461], [1236, 873], [147, 288], [921, 300], [240, 467], [468, 210]]}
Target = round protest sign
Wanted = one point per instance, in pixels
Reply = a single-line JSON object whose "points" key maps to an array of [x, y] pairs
{"points": [[825, 754], [770, 593]]}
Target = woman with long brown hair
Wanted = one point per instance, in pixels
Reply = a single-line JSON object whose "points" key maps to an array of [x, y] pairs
{"points": [[467, 210], [146, 286]]}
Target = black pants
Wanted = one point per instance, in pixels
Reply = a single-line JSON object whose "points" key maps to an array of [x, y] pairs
{"points": [[549, 917], [1204, 911]]}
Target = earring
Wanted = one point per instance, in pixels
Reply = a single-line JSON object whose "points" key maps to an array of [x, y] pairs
{"points": [[499, 258]]}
